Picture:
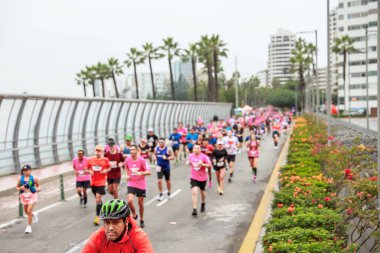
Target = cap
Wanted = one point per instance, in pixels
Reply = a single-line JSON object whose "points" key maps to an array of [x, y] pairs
{"points": [[128, 137], [219, 142], [150, 130], [111, 142], [26, 167], [99, 147]]}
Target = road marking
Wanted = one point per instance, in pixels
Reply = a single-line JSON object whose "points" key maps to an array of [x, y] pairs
{"points": [[9, 223], [76, 247], [154, 199], [172, 196]]}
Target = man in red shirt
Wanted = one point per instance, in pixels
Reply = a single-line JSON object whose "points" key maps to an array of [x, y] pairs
{"points": [[116, 160], [98, 167]]}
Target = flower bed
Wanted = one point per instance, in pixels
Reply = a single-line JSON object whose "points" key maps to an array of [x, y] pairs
{"points": [[305, 210]]}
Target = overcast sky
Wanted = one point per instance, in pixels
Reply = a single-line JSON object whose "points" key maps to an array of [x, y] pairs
{"points": [[43, 43]]}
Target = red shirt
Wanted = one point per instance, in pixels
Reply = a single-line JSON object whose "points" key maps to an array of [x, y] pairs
{"points": [[207, 150], [114, 159], [98, 165]]}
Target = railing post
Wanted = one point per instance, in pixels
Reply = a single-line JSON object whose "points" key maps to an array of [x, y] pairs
{"points": [[62, 187]]}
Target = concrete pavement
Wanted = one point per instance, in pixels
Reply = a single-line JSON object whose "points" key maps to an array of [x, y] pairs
{"points": [[170, 226]]}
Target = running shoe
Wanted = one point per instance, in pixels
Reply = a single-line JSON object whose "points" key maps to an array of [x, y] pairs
{"points": [[169, 195], [142, 224], [161, 197], [34, 217], [28, 229], [194, 213], [221, 192], [203, 207], [96, 221], [135, 217], [229, 180], [219, 189]]}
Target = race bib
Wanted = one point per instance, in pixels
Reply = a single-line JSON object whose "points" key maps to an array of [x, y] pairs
{"points": [[150, 144], [158, 168], [27, 195], [81, 173], [113, 164], [175, 142], [96, 168], [196, 166], [134, 171], [220, 164]]}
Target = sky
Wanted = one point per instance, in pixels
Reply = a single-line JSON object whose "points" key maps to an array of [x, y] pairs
{"points": [[43, 43]]}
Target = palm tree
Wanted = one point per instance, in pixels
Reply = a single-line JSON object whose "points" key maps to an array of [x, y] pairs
{"points": [[344, 46], [81, 80], [135, 58], [171, 49], [103, 72], [90, 76], [152, 53], [218, 50], [115, 70], [206, 57], [191, 54], [301, 61]]}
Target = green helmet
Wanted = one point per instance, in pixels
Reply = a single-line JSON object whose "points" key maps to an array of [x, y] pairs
{"points": [[114, 209], [128, 137]]}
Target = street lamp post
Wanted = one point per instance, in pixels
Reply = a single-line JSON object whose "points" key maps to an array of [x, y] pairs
{"points": [[236, 85], [328, 91], [378, 106], [366, 73]]}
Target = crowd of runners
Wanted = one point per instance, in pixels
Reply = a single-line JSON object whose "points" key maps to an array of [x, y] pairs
{"points": [[208, 149]]}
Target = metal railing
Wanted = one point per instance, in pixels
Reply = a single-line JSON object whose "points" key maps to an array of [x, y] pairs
{"points": [[45, 130]]}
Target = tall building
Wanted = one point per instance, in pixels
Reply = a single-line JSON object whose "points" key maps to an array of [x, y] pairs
{"points": [[333, 57], [145, 84], [182, 75], [353, 18], [263, 77], [280, 48]]}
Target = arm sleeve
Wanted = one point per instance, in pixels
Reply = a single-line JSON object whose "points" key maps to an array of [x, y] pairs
{"points": [[91, 246], [143, 244]]}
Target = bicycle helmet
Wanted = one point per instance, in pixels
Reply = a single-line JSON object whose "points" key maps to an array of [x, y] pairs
{"points": [[114, 209]]}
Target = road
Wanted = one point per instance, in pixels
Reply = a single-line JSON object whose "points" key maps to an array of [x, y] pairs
{"points": [[64, 226], [362, 122]]}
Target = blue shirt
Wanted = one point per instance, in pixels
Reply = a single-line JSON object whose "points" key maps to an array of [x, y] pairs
{"points": [[175, 138], [163, 163], [191, 137]]}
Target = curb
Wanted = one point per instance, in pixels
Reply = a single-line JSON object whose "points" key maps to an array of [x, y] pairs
{"points": [[253, 234]]}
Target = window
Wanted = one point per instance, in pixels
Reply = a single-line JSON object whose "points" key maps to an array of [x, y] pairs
{"points": [[341, 17], [341, 5], [341, 29]]}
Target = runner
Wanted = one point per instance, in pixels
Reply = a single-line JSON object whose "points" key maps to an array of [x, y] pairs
{"points": [[98, 166], [276, 132], [82, 178], [119, 233], [230, 144], [175, 139], [126, 149], [207, 148], [183, 132], [163, 156], [110, 142], [267, 124], [152, 143], [28, 186], [191, 139], [239, 135], [144, 149], [137, 168], [253, 145], [198, 177], [116, 160], [219, 158]]}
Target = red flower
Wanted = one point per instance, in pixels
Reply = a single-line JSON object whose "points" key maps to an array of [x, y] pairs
{"points": [[279, 205], [349, 211], [327, 199], [320, 206], [330, 138], [347, 172], [374, 178]]}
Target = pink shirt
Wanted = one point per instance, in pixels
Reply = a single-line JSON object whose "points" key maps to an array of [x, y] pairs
{"points": [[183, 132], [133, 166], [198, 172], [79, 166]]}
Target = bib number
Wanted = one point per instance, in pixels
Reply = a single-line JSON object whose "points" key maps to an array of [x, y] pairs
{"points": [[113, 164], [220, 164], [96, 168], [158, 168]]}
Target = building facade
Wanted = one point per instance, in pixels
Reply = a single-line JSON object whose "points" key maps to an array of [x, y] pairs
{"points": [[145, 84], [279, 53], [263, 77], [353, 18]]}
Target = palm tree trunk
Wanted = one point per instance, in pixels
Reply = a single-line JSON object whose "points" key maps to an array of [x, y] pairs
{"points": [[136, 82], [171, 76], [115, 85], [152, 78], [302, 88], [210, 81], [103, 90], [93, 88], [216, 85], [84, 89], [194, 78]]}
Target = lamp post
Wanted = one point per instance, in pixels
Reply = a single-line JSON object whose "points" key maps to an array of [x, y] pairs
{"points": [[236, 85], [378, 106], [366, 73], [328, 88]]}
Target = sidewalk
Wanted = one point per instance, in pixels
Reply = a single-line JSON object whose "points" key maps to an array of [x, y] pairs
{"points": [[8, 183]]}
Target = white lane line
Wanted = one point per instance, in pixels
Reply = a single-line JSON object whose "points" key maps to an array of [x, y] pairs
{"points": [[154, 199], [48, 207], [9, 223], [162, 202], [76, 247], [172, 196]]}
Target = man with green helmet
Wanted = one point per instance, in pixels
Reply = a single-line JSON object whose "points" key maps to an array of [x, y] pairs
{"points": [[119, 233]]}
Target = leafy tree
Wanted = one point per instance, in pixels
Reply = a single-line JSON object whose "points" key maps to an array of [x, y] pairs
{"points": [[276, 82], [115, 70], [206, 57], [281, 97], [90, 76], [152, 53], [103, 72], [81, 80], [134, 57], [171, 49], [344, 45], [218, 50]]}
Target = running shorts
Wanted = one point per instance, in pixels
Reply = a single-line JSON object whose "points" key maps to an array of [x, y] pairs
{"points": [[136, 191], [200, 184]]}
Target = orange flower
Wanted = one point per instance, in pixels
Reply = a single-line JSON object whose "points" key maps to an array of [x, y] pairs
{"points": [[320, 206]]}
